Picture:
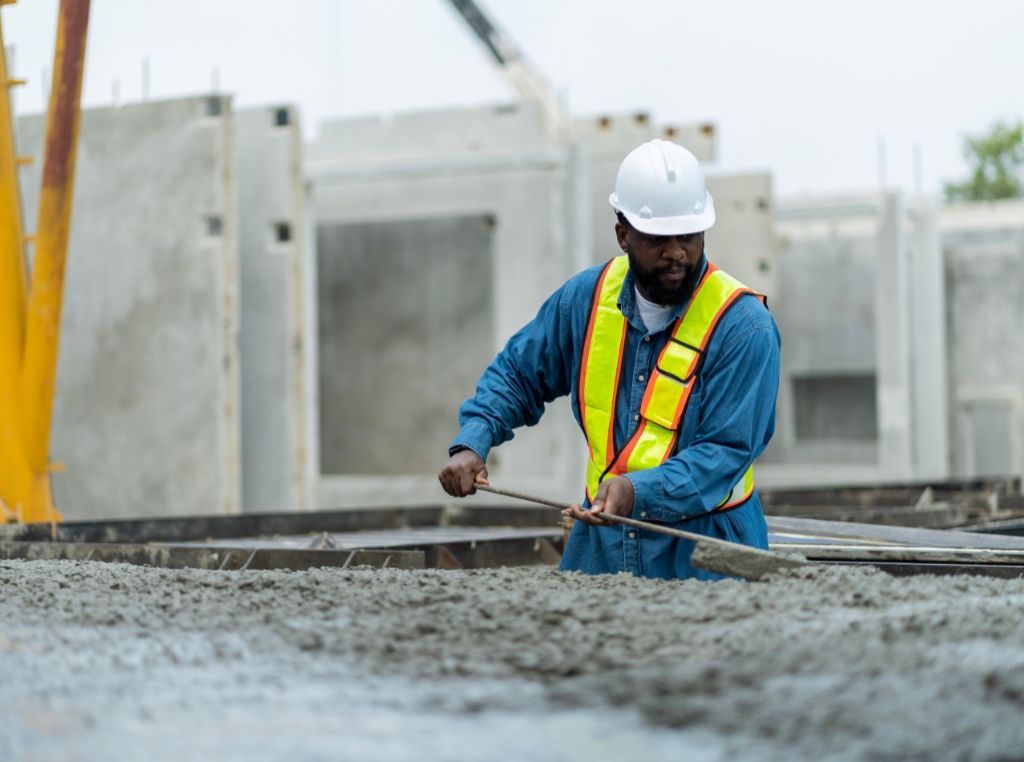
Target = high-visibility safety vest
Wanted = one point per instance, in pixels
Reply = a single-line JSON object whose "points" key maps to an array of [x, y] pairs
{"points": [[668, 388]]}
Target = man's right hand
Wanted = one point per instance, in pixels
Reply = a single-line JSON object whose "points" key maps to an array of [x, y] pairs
{"points": [[464, 469]]}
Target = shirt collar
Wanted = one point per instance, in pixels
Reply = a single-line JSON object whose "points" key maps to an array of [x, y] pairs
{"points": [[630, 311]]}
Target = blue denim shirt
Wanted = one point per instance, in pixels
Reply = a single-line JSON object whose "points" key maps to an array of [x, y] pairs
{"points": [[728, 422]]}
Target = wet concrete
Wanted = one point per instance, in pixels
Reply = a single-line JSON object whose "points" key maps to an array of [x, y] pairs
{"points": [[117, 662]]}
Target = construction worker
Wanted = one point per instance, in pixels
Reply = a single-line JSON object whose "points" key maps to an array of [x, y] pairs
{"points": [[672, 367]]}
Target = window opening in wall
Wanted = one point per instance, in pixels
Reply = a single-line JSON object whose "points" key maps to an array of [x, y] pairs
{"points": [[990, 431], [405, 323], [835, 407], [214, 225], [282, 232]]}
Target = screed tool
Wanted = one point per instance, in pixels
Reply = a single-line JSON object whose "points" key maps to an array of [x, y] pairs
{"points": [[710, 553]]}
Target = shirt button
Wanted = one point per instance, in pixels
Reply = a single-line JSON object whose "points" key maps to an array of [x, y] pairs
{"points": [[643, 514], [632, 535], [636, 417], [647, 338], [641, 377]]}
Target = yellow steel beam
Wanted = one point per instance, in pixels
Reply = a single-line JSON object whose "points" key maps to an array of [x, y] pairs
{"points": [[13, 283], [15, 475], [42, 328]]}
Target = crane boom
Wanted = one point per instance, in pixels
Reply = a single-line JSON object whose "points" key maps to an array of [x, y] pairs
{"points": [[530, 85]]}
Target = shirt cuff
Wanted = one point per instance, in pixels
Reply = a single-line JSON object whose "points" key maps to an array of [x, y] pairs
{"points": [[475, 436], [649, 497]]}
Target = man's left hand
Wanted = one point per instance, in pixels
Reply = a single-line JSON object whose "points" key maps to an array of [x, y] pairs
{"points": [[614, 496]]}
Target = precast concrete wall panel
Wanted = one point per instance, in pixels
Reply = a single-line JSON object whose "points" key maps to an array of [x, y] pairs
{"points": [[825, 306], [146, 415], [742, 240], [985, 324], [928, 345], [825, 275], [272, 263], [507, 202], [425, 133], [861, 302]]}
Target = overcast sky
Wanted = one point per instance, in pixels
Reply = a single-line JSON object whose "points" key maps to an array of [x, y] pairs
{"points": [[805, 88]]}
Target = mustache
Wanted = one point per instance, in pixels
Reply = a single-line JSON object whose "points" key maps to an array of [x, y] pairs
{"points": [[658, 291], [673, 270]]}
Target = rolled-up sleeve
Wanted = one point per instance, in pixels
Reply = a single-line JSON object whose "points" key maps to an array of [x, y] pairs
{"points": [[736, 422]]}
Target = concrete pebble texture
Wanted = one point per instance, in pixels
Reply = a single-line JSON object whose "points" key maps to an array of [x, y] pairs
{"points": [[105, 661]]}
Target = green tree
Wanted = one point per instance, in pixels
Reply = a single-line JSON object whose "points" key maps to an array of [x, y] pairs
{"points": [[997, 165]]}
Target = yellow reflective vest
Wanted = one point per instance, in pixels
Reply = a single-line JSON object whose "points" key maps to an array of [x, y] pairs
{"points": [[668, 388]]}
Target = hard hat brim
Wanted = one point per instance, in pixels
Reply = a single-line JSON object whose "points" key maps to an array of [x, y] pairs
{"points": [[682, 225]]}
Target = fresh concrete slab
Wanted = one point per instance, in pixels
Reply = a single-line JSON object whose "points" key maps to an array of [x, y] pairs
{"points": [[111, 662]]}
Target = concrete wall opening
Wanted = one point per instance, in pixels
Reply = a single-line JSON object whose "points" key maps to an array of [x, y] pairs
{"points": [[282, 232], [405, 324], [835, 407], [990, 437]]}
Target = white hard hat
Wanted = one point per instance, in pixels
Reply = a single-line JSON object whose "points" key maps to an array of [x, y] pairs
{"points": [[660, 190]]}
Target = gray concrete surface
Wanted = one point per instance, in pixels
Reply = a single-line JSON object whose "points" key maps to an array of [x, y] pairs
{"points": [[405, 329], [146, 416], [494, 162], [929, 343], [862, 304], [893, 342], [121, 663], [742, 241], [272, 259], [984, 258], [825, 312]]}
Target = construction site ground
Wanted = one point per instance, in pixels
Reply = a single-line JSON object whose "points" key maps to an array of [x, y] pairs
{"points": [[119, 662]]}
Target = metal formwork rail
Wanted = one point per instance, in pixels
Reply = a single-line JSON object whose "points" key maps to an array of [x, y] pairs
{"points": [[470, 537]]}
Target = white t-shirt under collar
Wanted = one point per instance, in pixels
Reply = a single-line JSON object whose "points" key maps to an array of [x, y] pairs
{"points": [[655, 316]]}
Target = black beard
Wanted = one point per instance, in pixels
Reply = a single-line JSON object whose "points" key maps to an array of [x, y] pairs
{"points": [[651, 286]]}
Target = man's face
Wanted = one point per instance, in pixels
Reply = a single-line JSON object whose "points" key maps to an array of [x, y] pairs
{"points": [[666, 268]]}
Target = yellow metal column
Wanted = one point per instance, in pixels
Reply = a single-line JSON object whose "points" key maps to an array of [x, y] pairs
{"points": [[13, 284], [42, 328], [15, 475]]}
